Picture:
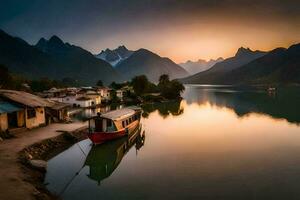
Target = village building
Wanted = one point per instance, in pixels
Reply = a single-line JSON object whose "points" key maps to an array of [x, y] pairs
{"points": [[94, 96], [84, 102], [104, 93], [57, 112], [21, 110], [120, 94]]}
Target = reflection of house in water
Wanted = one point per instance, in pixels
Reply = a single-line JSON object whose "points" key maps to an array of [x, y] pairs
{"points": [[104, 159]]}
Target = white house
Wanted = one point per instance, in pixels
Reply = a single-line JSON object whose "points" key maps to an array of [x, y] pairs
{"points": [[105, 93]]}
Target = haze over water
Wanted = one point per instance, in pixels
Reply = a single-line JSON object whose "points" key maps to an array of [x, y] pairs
{"points": [[218, 143]]}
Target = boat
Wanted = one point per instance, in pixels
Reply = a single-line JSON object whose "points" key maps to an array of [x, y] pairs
{"points": [[114, 124], [104, 159]]}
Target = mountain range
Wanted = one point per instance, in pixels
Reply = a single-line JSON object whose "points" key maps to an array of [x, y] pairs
{"points": [[214, 74], [200, 65], [146, 62], [116, 56], [280, 65], [53, 59]]}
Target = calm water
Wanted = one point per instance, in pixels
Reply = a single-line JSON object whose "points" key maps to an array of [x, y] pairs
{"points": [[218, 143]]}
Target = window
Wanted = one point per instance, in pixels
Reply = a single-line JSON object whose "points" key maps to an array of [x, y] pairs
{"points": [[129, 120], [109, 124], [123, 124], [31, 113]]}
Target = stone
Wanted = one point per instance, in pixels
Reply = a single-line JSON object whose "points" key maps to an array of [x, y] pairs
{"points": [[1, 139], [38, 164], [29, 156]]}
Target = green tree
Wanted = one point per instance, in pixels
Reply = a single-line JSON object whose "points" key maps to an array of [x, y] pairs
{"points": [[172, 89], [99, 83], [164, 79], [140, 84], [5, 77]]}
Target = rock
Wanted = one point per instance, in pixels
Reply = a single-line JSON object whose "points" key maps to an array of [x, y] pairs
{"points": [[29, 156], [1, 139], [38, 164]]}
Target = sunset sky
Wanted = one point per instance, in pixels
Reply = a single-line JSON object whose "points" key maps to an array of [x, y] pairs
{"points": [[179, 29]]}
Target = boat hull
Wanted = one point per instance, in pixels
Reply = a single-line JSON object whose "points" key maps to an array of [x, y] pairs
{"points": [[101, 137]]}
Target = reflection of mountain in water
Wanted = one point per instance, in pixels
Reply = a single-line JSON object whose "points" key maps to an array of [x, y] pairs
{"points": [[104, 159], [282, 104], [164, 109]]}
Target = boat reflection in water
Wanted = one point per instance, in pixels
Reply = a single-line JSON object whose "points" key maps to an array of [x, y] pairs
{"points": [[105, 158]]}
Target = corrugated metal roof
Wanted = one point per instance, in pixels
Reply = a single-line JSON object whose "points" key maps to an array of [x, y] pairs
{"points": [[6, 107]]}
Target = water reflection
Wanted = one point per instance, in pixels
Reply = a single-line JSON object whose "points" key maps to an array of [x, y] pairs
{"points": [[218, 143], [104, 159], [164, 109], [285, 103]]}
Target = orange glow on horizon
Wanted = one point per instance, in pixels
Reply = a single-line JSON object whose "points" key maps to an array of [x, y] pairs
{"points": [[208, 38]]}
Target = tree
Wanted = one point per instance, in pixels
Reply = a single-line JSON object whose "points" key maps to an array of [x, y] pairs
{"points": [[140, 84], [164, 79], [99, 83], [172, 89], [5, 77]]}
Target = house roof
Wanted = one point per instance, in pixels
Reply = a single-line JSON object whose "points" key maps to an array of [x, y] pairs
{"points": [[84, 98], [121, 113], [24, 98], [6, 107], [55, 105]]}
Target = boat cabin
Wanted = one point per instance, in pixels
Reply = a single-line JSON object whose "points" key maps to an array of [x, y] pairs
{"points": [[115, 121]]}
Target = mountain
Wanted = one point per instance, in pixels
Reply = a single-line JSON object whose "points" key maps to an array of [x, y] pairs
{"points": [[150, 64], [200, 65], [214, 74], [278, 66], [116, 56], [53, 59]]}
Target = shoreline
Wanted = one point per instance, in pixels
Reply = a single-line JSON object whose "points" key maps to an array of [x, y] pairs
{"points": [[45, 150]]}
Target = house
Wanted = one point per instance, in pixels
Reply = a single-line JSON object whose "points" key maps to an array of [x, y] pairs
{"points": [[84, 102], [22, 110], [105, 93], [94, 96], [58, 111], [120, 94], [11, 116]]}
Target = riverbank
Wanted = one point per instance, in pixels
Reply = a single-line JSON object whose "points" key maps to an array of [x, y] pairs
{"points": [[19, 181]]}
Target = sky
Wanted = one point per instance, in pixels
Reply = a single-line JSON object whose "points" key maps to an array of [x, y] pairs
{"points": [[179, 29]]}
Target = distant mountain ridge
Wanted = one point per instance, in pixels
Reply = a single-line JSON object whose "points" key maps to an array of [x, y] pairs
{"points": [[148, 63], [279, 66], [212, 75], [53, 59], [116, 56], [200, 65]]}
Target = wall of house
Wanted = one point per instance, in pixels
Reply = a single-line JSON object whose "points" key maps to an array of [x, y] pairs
{"points": [[95, 98], [36, 121], [21, 118], [3, 122]]}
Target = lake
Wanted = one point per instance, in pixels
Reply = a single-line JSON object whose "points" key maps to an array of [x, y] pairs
{"points": [[219, 142]]}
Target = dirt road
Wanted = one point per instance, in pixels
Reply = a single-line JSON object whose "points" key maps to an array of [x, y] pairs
{"points": [[12, 184]]}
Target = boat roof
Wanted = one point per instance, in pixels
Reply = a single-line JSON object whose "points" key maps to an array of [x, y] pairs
{"points": [[121, 113]]}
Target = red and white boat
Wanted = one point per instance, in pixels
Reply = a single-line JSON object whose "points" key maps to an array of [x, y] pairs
{"points": [[114, 124]]}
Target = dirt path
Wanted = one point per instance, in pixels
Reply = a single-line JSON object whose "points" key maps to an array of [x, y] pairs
{"points": [[12, 184]]}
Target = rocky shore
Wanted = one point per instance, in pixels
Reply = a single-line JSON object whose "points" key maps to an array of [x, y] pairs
{"points": [[34, 159]]}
